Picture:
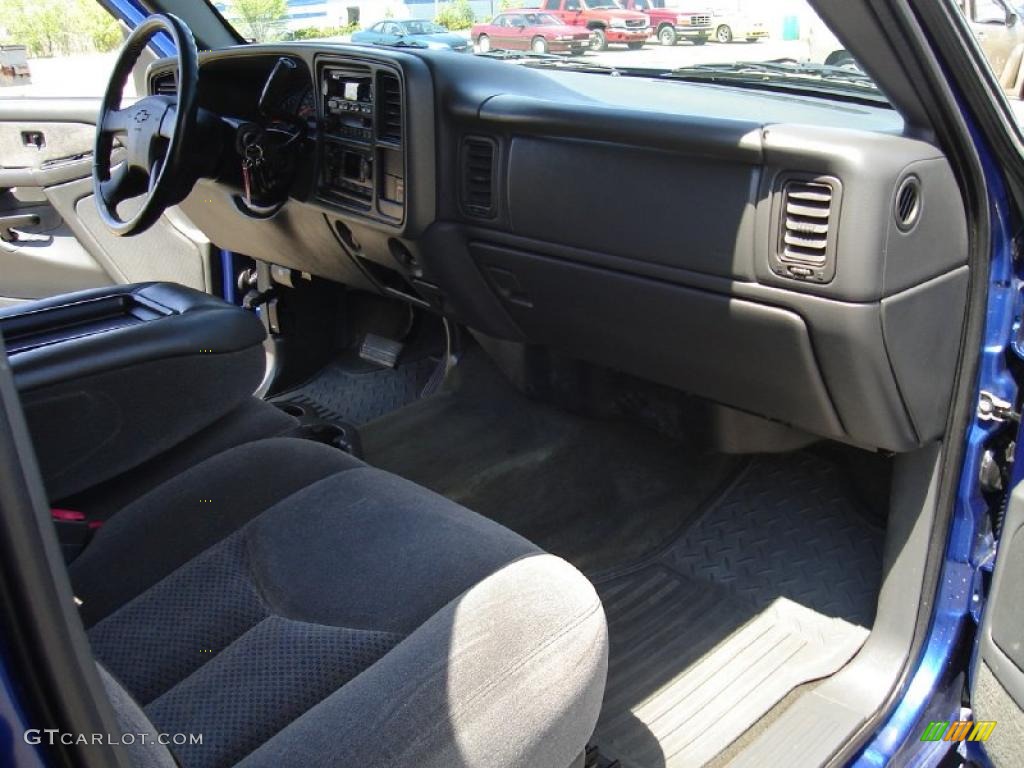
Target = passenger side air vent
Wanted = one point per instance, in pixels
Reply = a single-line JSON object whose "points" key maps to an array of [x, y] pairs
{"points": [[807, 222], [478, 177], [165, 84], [807, 209], [389, 97], [908, 203]]}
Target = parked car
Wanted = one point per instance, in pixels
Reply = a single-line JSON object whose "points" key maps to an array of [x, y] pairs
{"points": [[823, 47], [671, 24], [997, 26], [733, 26], [607, 21], [522, 30], [424, 31], [14, 66]]}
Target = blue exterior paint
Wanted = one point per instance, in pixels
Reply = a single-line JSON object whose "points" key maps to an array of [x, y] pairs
{"points": [[131, 12], [229, 290], [13, 724], [969, 548]]}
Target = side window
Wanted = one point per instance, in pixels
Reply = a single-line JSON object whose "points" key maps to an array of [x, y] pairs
{"points": [[552, 5], [57, 48], [989, 12], [378, 27], [516, 21], [501, 21], [572, 5]]}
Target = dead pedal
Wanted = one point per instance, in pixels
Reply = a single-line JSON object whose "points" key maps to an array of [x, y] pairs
{"points": [[380, 350]]}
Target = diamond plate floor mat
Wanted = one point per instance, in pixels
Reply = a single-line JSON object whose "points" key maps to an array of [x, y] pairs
{"points": [[358, 392], [773, 586]]}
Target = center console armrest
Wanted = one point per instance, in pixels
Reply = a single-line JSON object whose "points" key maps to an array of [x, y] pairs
{"points": [[111, 377]]}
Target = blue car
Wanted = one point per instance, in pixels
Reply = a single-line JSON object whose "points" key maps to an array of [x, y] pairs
{"points": [[412, 32], [375, 406]]}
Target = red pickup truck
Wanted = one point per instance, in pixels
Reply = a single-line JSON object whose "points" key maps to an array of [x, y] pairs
{"points": [[607, 21], [671, 24]]}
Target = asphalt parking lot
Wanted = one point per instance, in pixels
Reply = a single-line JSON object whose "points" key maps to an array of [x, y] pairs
{"points": [[686, 54]]}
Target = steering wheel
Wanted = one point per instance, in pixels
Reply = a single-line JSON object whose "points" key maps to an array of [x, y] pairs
{"points": [[156, 131]]}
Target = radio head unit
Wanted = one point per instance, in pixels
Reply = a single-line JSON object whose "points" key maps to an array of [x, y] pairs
{"points": [[348, 103], [362, 158]]}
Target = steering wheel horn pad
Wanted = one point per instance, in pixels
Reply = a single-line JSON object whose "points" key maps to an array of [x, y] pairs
{"points": [[156, 132]]}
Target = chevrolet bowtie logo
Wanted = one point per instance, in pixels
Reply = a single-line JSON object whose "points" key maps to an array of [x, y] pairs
{"points": [[142, 116]]}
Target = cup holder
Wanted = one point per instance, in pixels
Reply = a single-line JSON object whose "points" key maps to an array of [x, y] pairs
{"points": [[292, 409], [313, 426]]}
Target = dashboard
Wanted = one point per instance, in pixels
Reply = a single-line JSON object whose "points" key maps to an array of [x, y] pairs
{"points": [[781, 254]]}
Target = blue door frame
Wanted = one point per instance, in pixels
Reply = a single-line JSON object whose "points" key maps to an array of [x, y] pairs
{"points": [[970, 550]]}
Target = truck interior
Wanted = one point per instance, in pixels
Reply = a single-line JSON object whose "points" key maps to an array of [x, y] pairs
{"points": [[541, 469]]}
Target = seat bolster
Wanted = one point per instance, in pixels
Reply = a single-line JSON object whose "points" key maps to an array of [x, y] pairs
{"points": [[144, 747], [510, 673]]}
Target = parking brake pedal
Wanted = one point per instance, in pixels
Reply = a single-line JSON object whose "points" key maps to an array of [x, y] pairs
{"points": [[380, 351]]}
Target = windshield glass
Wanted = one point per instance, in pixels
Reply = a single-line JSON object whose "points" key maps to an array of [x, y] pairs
{"points": [[422, 28], [532, 19], [766, 44]]}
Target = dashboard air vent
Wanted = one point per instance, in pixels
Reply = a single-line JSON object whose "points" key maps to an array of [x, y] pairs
{"points": [[389, 96], [165, 84], [478, 182], [806, 228], [908, 203], [806, 212]]}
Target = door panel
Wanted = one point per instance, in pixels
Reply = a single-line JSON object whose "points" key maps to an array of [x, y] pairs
{"points": [[997, 684], [167, 251], [59, 243], [42, 258]]}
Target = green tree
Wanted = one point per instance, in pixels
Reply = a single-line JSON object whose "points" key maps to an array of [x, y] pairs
{"points": [[58, 27], [456, 15], [260, 20], [101, 29], [321, 33]]}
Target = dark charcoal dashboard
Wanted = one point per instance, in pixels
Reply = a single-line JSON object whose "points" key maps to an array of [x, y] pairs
{"points": [[780, 254]]}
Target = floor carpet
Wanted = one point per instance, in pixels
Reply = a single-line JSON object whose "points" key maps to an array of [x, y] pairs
{"points": [[599, 493]]}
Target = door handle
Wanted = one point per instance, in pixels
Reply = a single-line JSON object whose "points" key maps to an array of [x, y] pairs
{"points": [[8, 223], [33, 139]]}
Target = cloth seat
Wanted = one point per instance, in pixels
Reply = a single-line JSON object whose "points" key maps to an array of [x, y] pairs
{"points": [[299, 608]]}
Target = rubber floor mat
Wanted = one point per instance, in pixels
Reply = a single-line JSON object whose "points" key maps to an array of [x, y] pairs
{"points": [[773, 586], [356, 392]]}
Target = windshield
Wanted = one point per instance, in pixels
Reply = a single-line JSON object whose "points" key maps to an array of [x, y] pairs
{"points": [[540, 19], [422, 28], [779, 45]]}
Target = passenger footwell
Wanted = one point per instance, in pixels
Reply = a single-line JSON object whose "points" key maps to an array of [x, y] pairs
{"points": [[772, 587]]}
